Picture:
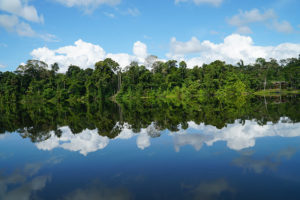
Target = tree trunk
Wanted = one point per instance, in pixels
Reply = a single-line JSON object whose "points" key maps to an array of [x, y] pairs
{"points": [[280, 85], [265, 83], [119, 81]]}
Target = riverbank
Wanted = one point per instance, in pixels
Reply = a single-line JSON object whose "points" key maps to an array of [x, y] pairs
{"points": [[276, 92]]}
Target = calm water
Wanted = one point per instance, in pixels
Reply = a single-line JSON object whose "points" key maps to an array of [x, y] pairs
{"points": [[166, 151]]}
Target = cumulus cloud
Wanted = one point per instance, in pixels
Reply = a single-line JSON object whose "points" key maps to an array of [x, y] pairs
{"points": [[143, 141], [195, 140], [237, 136], [21, 9], [88, 5], [191, 46], [12, 22], [198, 2], [234, 48], [90, 141], [140, 50], [85, 142], [126, 132], [86, 54], [268, 17]]}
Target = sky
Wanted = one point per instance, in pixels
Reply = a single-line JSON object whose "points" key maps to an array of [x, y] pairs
{"points": [[82, 32]]}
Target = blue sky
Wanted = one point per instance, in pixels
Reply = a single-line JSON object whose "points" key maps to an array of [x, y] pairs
{"points": [[197, 31]]}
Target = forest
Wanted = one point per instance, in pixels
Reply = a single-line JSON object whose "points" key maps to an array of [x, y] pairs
{"points": [[35, 81], [36, 121], [35, 100]]}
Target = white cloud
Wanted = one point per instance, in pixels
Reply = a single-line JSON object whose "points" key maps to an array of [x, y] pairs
{"points": [[143, 137], [111, 15], [126, 132], [90, 141], [123, 59], [195, 140], [85, 142], [140, 50], [252, 16], [12, 24], [234, 48], [250, 162], [268, 17], [22, 183], [283, 26], [237, 136], [198, 2], [2, 136], [25, 29], [256, 165], [133, 12], [2, 66], [21, 9], [88, 5], [192, 46], [8, 22], [143, 140], [244, 30], [26, 189], [86, 54]]}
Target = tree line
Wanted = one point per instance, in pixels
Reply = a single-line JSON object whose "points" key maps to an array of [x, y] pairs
{"points": [[36, 81], [36, 121]]}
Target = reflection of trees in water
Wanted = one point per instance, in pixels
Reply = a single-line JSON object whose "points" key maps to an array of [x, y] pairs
{"points": [[36, 121]]}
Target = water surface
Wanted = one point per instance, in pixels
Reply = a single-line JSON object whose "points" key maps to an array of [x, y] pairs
{"points": [[149, 151]]}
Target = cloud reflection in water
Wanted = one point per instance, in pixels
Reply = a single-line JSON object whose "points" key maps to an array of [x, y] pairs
{"points": [[236, 135]]}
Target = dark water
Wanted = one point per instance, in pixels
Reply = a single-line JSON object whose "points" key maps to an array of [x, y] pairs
{"points": [[232, 150]]}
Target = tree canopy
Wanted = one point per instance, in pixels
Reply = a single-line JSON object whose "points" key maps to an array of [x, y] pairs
{"points": [[35, 80]]}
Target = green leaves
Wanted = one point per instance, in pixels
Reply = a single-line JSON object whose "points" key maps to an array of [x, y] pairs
{"points": [[158, 80]]}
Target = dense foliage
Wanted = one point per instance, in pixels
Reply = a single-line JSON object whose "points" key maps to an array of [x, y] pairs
{"points": [[34, 81], [36, 121]]}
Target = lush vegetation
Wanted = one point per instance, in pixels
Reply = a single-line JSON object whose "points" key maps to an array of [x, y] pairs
{"points": [[35, 82], [37, 120]]}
